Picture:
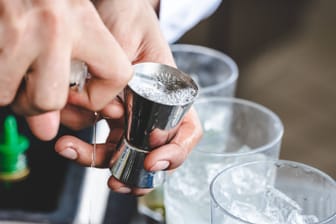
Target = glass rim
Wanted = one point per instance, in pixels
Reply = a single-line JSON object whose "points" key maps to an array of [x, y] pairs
{"points": [[274, 162], [213, 53], [251, 104]]}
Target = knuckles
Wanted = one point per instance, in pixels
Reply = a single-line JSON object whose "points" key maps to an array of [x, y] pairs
{"points": [[47, 102], [52, 20]]}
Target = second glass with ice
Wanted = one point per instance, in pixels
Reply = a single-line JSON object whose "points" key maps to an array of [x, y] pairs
{"points": [[273, 192], [235, 131]]}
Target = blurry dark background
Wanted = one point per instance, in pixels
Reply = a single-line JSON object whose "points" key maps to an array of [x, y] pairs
{"points": [[286, 54]]}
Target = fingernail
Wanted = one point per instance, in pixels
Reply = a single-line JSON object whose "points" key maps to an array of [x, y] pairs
{"points": [[161, 165], [69, 153], [124, 190]]}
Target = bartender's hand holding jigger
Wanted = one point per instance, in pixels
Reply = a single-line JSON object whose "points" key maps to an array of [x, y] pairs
{"points": [[38, 39], [166, 157], [137, 30]]}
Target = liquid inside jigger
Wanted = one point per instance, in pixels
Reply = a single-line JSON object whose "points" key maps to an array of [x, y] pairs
{"points": [[164, 88]]}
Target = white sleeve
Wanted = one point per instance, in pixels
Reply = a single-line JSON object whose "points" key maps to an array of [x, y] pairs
{"points": [[178, 16]]}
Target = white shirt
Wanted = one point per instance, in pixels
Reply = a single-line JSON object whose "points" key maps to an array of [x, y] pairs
{"points": [[179, 16]]}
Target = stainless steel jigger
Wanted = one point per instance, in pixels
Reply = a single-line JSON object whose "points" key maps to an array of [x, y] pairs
{"points": [[156, 99]]}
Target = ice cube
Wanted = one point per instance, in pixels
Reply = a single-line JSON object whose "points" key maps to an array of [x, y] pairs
{"points": [[296, 218], [244, 148], [217, 119], [248, 182], [248, 212], [279, 204]]}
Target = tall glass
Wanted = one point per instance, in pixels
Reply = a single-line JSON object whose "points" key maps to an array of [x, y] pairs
{"points": [[235, 131], [279, 191], [215, 72]]}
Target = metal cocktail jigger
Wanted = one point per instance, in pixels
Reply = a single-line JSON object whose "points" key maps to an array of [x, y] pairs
{"points": [[155, 100]]}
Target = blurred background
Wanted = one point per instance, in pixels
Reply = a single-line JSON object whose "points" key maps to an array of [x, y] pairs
{"points": [[286, 54]]}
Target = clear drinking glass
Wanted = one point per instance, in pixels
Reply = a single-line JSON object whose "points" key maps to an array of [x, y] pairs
{"points": [[235, 131], [279, 192], [215, 72]]}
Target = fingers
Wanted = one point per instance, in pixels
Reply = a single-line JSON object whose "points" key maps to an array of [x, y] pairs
{"points": [[41, 85], [47, 53], [83, 153], [108, 64], [44, 126], [77, 118], [147, 43], [47, 86], [119, 187], [15, 60], [46, 89], [80, 151], [172, 155], [154, 48], [10, 79], [75, 149], [166, 157]]}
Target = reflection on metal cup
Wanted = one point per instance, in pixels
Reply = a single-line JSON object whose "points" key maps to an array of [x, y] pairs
{"points": [[156, 100]]}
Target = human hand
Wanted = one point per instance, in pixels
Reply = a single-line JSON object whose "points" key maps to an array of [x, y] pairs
{"points": [[166, 157], [37, 42], [135, 26]]}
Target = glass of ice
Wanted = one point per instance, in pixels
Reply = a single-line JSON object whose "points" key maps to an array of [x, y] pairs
{"points": [[215, 72], [279, 192], [235, 131]]}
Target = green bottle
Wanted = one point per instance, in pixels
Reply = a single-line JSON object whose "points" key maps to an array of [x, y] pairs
{"points": [[13, 164]]}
